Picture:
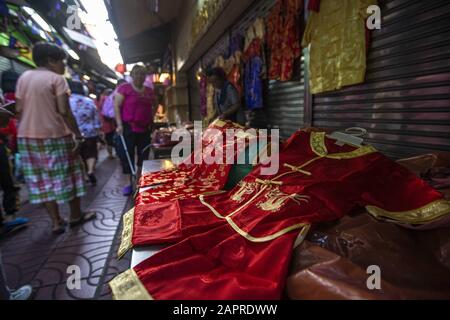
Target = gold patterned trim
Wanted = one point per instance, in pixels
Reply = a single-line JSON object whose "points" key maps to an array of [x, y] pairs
{"points": [[127, 286], [364, 150], [127, 233], [317, 142], [266, 238], [269, 182], [302, 235], [318, 146], [425, 214]]}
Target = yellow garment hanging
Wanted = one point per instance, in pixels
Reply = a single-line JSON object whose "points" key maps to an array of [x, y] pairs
{"points": [[336, 36], [210, 108]]}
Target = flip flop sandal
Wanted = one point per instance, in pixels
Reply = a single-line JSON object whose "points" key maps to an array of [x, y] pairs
{"points": [[63, 223], [16, 222], [62, 227], [85, 217], [6, 231], [59, 230]]}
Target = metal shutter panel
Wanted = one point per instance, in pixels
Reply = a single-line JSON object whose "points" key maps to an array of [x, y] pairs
{"points": [[405, 102]]}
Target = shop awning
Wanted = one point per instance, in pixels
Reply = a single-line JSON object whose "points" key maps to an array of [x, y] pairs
{"points": [[80, 38], [79, 42], [143, 27]]}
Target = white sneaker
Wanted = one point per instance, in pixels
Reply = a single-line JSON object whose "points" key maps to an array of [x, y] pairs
{"points": [[22, 293]]}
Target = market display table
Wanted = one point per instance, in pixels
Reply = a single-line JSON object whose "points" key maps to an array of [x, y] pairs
{"points": [[140, 254], [331, 263]]}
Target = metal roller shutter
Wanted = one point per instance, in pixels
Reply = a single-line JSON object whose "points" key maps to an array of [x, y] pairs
{"points": [[20, 67], [284, 104], [5, 64], [405, 102]]}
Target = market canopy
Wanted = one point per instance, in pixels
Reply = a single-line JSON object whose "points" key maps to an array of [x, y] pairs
{"points": [[143, 27]]}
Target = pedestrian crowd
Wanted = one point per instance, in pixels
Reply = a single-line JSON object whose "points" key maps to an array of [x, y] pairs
{"points": [[50, 133]]}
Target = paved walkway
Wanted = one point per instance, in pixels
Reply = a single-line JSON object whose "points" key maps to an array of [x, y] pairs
{"points": [[35, 256]]}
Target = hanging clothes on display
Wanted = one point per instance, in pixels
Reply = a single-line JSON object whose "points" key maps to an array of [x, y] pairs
{"points": [[255, 69], [235, 59], [219, 62], [242, 250], [253, 83], [187, 180], [210, 108], [234, 76], [283, 38], [337, 59]]}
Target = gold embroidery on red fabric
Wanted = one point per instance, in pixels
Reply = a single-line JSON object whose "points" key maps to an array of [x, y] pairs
{"points": [[245, 189], [275, 199]]}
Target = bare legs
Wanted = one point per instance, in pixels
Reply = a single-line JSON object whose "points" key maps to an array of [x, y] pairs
{"points": [[75, 209], [53, 211], [110, 152], [90, 164]]}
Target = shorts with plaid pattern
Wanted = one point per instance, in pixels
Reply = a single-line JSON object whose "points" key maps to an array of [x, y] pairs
{"points": [[52, 171]]}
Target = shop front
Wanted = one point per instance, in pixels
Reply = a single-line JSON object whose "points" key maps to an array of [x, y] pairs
{"points": [[359, 93]]}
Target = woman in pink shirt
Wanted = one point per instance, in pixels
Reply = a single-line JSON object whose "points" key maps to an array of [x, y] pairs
{"points": [[48, 137], [133, 105]]}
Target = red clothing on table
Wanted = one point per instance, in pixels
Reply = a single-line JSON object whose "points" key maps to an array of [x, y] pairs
{"points": [[183, 182], [238, 245]]}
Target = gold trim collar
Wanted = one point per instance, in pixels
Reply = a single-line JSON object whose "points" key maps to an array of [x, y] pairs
{"points": [[428, 213], [317, 142]]}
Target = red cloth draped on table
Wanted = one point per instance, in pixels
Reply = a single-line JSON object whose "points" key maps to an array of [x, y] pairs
{"points": [[187, 180], [238, 245]]}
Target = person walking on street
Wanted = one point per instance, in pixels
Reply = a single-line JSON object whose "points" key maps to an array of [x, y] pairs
{"points": [[133, 105], [86, 115], [10, 201], [48, 137], [106, 107]]}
